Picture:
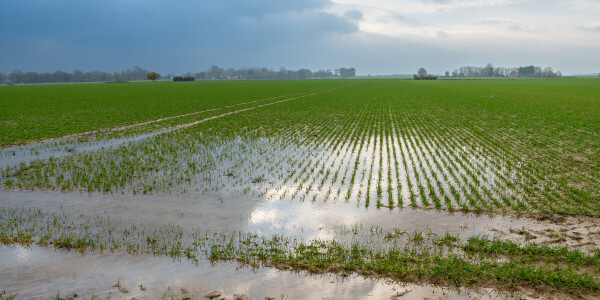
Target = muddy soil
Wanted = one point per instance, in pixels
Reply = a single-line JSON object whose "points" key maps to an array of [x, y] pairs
{"points": [[578, 232]]}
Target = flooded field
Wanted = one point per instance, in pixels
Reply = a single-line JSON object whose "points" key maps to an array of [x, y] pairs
{"points": [[126, 277], [358, 189], [37, 271]]}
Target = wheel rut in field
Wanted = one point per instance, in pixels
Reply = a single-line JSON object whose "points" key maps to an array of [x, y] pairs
{"points": [[245, 109], [63, 146], [123, 127]]}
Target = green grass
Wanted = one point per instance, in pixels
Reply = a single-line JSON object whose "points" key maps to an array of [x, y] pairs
{"points": [[33, 112], [476, 145], [5, 296], [525, 146]]}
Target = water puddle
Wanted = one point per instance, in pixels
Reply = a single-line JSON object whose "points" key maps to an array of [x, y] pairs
{"points": [[269, 186], [40, 273], [383, 173], [342, 221], [15, 155]]}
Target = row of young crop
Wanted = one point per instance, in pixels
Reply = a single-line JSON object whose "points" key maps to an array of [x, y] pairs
{"points": [[377, 161], [383, 148], [542, 190], [136, 165], [488, 177], [33, 112], [551, 130]]}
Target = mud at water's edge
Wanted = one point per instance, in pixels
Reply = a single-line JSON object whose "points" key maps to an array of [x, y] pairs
{"points": [[575, 232]]}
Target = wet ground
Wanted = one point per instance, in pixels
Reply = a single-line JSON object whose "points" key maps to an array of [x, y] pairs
{"points": [[275, 167], [244, 192], [57, 148], [41, 272], [303, 219]]}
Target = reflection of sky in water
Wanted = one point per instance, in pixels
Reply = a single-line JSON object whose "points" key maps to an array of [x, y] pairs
{"points": [[46, 272], [224, 208], [62, 147], [34, 271], [306, 219], [292, 218], [23, 255], [325, 220]]}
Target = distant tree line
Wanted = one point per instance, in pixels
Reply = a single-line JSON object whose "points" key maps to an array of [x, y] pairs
{"points": [[18, 76], [216, 72], [138, 73], [490, 71]]}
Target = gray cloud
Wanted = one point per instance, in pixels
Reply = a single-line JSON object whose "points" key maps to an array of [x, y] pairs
{"points": [[437, 1], [442, 34], [353, 15], [117, 21], [506, 23], [190, 35], [404, 20], [592, 28], [63, 34]]}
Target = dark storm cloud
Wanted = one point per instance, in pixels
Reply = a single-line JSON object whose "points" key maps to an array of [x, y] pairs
{"points": [[157, 21], [71, 32]]}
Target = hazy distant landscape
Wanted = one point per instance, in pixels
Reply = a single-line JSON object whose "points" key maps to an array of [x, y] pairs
{"points": [[217, 73]]}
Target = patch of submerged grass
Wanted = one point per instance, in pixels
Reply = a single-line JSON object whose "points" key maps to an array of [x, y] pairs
{"points": [[404, 263], [484, 244], [5, 296], [18, 238], [447, 259]]}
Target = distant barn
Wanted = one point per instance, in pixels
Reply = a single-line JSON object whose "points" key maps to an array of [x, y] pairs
{"points": [[184, 78]]}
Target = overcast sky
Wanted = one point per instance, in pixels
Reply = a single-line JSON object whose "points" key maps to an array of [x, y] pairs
{"points": [[375, 36]]}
